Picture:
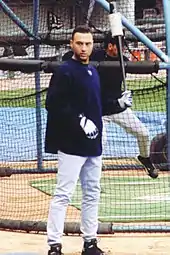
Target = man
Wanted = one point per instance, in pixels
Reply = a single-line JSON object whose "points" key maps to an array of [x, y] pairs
{"points": [[74, 131], [116, 105]]}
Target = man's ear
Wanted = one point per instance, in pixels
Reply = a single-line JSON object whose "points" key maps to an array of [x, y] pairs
{"points": [[110, 46], [71, 44]]}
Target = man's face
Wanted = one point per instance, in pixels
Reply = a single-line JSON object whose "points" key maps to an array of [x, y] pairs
{"points": [[82, 46], [112, 50]]}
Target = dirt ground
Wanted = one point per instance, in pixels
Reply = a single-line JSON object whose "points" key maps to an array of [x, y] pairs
{"points": [[130, 244], [19, 201]]}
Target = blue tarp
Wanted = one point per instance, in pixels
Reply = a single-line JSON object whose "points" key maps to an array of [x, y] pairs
{"points": [[18, 134]]}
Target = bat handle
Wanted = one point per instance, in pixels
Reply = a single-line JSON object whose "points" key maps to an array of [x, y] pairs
{"points": [[120, 53]]}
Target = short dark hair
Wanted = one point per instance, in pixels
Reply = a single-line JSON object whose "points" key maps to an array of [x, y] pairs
{"points": [[113, 40], [81, 29]]}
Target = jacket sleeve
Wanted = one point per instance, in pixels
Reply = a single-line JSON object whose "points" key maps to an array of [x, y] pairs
{"points": [[112, 105], [59, 102]]}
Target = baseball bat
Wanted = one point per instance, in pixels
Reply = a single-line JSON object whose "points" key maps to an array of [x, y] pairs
{"points": [[119, 46]]}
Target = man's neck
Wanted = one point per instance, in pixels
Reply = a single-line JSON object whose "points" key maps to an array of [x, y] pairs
{"points": [[79, 60]]}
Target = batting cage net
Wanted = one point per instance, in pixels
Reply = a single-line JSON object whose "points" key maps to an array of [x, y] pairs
{"points": [[130, 199]]}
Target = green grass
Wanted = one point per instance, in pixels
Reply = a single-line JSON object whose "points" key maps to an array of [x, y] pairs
{"points": [[20, 98], [149, 100], [124, 199], [153, 100]]}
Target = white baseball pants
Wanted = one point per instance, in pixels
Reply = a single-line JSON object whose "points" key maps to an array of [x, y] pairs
{"points": [[70, 169], [132, 125]]}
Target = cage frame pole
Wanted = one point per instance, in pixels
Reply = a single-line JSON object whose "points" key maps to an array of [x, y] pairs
{"points": [[166, 8], [36, 17]]}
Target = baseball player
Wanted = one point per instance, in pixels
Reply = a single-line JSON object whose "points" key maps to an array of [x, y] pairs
{"points": [[74, 131], [116, 104]]}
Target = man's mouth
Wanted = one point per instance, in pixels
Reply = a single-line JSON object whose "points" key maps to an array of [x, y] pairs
{"points": [[83, 55]]}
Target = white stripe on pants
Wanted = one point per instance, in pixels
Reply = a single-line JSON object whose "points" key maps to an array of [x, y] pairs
{"points": [[70, 168], [132, 125]]}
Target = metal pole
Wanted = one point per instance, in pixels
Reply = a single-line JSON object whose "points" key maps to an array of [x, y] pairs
{"points": [[164, 66], [36, 10], [166, 7]]}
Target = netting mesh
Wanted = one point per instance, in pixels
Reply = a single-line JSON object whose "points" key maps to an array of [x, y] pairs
{"points": [[127, 193]]}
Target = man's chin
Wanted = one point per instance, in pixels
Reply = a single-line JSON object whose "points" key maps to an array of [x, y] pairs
{"points": [[83, 59]]}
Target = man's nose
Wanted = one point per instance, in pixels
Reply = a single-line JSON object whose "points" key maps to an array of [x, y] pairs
{"points": [[84, 47]]}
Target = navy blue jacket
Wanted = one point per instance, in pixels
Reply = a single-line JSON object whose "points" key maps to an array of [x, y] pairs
{"points": [[74, 89], [111, 82]]}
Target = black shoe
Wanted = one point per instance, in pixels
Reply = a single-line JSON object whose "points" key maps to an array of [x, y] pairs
{"points": [[90, 248], [55, 249], [149, 167]]}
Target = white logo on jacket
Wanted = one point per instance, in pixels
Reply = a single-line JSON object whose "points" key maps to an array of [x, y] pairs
{"points": [[90, 72]]}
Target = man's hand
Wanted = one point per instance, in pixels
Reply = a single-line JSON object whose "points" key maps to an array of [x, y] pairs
{"points": [[89, 128], [126, 99]]}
